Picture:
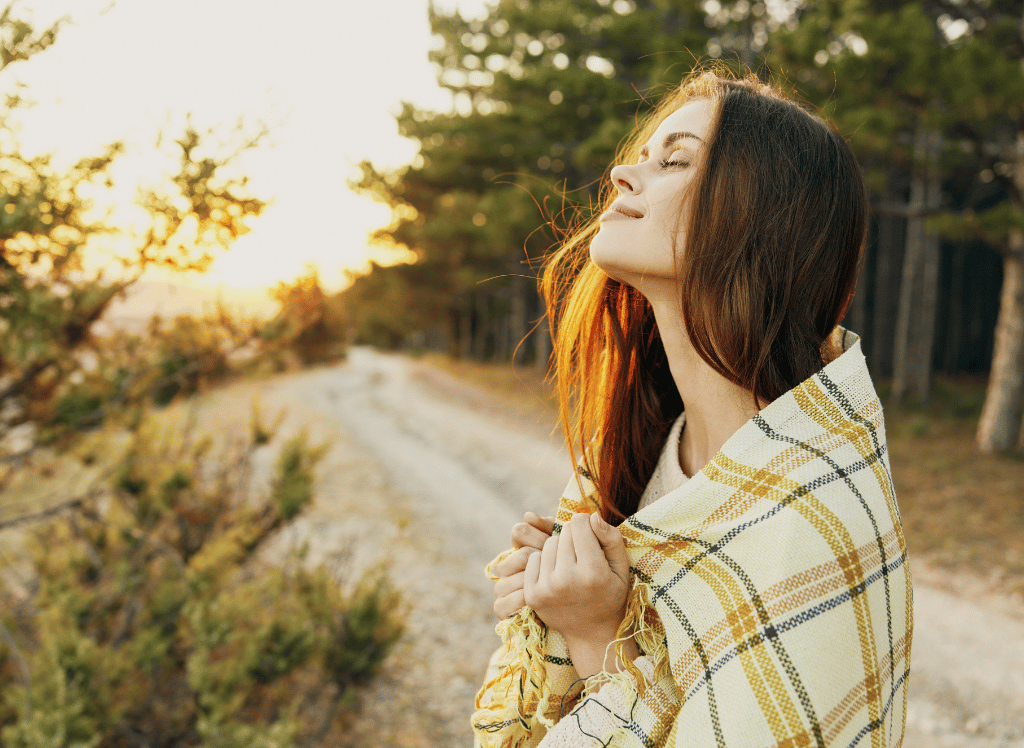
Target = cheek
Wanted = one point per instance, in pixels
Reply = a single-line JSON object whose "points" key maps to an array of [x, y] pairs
{"points": [[665, 232]]}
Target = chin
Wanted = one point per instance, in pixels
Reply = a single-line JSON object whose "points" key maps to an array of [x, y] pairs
{"points": [[607, 265], [606, 254], [617, 272]]}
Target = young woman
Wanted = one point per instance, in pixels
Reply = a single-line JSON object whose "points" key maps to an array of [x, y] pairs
{"points": [[727, 567]]}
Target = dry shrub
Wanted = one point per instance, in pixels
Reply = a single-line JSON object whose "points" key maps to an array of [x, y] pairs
{"points": [[150, 622]]}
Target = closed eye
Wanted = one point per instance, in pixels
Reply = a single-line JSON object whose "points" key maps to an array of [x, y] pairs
{"points": [[677, 157]]}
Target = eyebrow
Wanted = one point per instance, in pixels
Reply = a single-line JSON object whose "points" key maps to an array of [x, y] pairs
{"points": [[672, 138]]}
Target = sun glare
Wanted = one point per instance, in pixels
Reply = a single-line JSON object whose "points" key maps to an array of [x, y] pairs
{"points": [[117, 73]]}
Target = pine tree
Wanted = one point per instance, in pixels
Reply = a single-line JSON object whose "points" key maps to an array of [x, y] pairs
{"points": [[934, 88], [880, 69], [988, 86], [544, 91]]}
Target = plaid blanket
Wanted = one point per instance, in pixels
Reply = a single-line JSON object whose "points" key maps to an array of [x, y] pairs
{"points": [[771, 591]]}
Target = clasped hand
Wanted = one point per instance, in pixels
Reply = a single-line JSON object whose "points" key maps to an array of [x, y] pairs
{"points": [[576, 582]]}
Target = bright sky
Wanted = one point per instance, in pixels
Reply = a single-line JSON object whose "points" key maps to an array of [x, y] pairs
{"points": [[326, 75]]}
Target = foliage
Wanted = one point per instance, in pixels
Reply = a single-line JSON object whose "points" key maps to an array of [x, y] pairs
{"points": [[186, 354], [573, 75], [293, 487], [50, 296], [152, 623], [310, 323], [390, 302], [116, 375]]}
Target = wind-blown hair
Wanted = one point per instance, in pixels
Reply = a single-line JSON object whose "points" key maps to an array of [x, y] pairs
{"points": [[774, 228]]}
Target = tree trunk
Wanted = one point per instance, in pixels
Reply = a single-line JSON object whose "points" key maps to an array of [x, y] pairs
{"points": [[892, 240], [542, 346], [954, 337], [481, 323], [517, 319], [502, 336], [463, 335], [1001, 415], [915, 323]]}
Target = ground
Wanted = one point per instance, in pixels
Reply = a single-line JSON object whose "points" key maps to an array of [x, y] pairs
{"points": [[453, 467], [427, 471]]}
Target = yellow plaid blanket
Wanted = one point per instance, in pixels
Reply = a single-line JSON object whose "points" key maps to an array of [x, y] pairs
{"points": [[772, 592]]}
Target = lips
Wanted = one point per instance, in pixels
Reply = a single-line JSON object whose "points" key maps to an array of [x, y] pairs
{"points": [[627, 211]]}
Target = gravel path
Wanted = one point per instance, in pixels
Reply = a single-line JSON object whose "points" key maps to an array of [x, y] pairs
{"points": [[427, 473]]}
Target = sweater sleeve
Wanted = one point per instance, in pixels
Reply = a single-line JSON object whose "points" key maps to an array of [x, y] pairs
{"points": [[599, 715]]}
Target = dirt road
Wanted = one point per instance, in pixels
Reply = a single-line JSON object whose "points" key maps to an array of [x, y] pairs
{"points": [[428, 473]]}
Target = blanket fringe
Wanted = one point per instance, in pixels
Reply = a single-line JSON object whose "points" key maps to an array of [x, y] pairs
{"points": [[518, 696]]}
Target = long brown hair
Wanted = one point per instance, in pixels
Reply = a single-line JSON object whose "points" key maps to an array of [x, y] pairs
{"points": [[774, 228]]}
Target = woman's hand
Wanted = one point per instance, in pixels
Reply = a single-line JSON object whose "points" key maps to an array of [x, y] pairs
{"points": [[578, 585], [527, 537], [532, 532]]}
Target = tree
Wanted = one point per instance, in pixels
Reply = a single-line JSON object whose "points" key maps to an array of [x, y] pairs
{"points": [[989, 95], [544, 92], [310, 323], [51, 301], [935, 88], [880, 70]]}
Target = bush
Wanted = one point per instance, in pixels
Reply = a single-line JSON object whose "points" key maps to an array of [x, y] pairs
{"points": [[310, 323], [152, 624], [293, 486], [122, 371]]}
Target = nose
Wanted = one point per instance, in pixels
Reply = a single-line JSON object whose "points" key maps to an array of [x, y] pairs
{"points": [[625, 180]]}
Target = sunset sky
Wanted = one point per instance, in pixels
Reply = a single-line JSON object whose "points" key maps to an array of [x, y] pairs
{"points": [[325, 75]]}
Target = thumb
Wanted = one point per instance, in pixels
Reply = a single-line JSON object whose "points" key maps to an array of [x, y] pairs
{"points": [[612, 544]]}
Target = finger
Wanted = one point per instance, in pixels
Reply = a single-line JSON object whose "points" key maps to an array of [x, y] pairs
{"points": [[532, 573], [514, 563], [613, 545], [526, 535], [507, 606], [566, 558], [588, 547], [545, 524], [549, 556], [507, 585]]}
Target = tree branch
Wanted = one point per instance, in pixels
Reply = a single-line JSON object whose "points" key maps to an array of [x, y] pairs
{"points": [[905, 210], [37, 516]]}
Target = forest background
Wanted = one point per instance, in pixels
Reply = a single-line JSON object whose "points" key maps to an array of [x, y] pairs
{"points": [[929, 93]]}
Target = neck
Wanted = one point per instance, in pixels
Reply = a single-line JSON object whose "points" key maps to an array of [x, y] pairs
{"points": [[715, 407]]}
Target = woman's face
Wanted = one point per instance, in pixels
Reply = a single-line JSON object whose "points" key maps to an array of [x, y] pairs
{"points": [[638, 235]]}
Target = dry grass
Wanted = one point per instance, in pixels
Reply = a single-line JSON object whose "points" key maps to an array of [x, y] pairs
{"points": [[521, 390], [962, 511]]}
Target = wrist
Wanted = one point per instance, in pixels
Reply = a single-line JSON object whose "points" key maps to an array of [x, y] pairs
{"points": [[593, 656]]}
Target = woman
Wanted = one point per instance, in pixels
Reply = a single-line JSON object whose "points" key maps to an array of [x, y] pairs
{"points": [[727, 567]]}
